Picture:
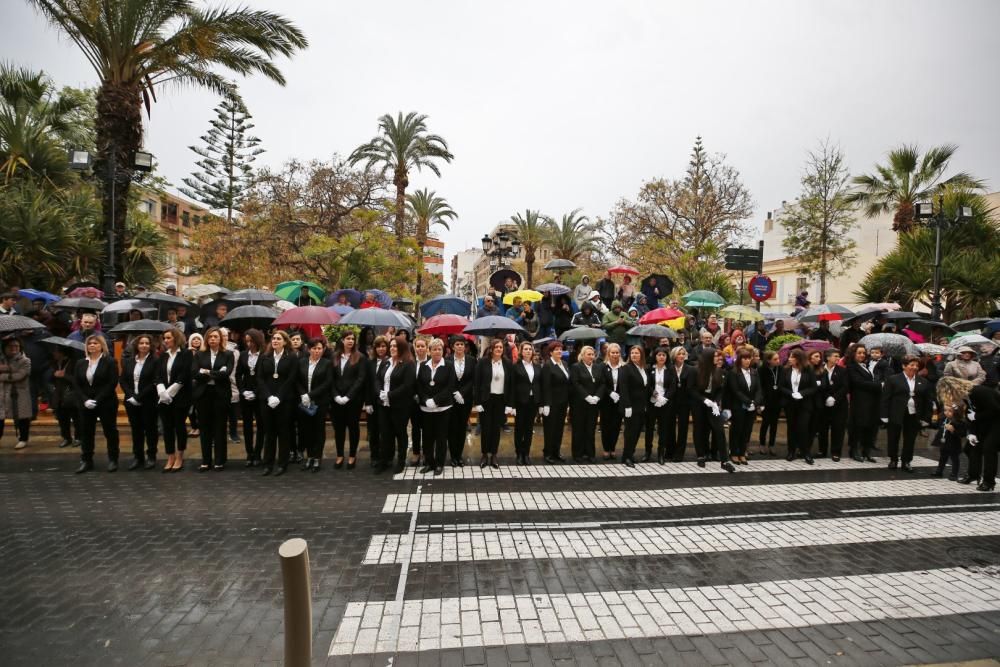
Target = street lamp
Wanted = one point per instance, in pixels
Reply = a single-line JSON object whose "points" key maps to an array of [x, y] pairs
{"points": [[938, 221], [81, 160], [500, 248]]}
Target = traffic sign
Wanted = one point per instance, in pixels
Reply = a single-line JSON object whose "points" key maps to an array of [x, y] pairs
{"points": [[761, 288]]}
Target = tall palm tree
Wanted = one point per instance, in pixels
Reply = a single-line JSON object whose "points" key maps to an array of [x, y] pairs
{"points": [[906, 179], [135, 46], [402, 144], [572, 237], [427, 209], [532, 232]]}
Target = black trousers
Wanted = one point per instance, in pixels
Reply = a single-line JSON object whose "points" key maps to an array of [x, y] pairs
{"points": [[458, 428], [253, 434], [22, 426], [392, 433], [107, 413], [346, 422], [769, 424], [277, 432], [677, 429], [416, 427], [908, 430], [523, 422], [611, 425], [435, 427], [633, 429], [989, 445], [657, 419], [832, 426], [312, 432], [69, 421], [373, 430], [213, 413], [799, 421], [861, 438], [708, 429], [583, 418], [552, 427], [492, 419], [740, 430], [296, 443], [142, 422], [174, 419], [951, 450]]}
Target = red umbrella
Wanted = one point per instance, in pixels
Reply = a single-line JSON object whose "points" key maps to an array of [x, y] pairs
{"points": [[659, 315], [625, 270], [306, 315], [444, 324]]}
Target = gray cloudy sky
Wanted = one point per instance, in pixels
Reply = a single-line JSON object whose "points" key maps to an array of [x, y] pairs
{"points": [[558, 105]]}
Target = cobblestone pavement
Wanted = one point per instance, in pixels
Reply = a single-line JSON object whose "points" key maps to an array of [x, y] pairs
{"points": [[780, 563]]}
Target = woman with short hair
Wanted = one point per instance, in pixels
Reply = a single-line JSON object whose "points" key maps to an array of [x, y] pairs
{"points": [[587, 391], [555, 401], [435, 395], [465, 382]]}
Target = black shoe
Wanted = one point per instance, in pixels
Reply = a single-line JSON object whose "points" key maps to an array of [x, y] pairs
{"points": [[629, 462], [281, 471], [790, 457], [728, 467], [701, 461], [835, 459], [549, 460], [661, 458], [893, 464], [65, 443], [907, 467], [461, 463], [527, 461], [338, 464], [219, 467], [984, 487], [350, 466], [85, 466], [964, 480], [648, 457], [267, 471], [454, 463], [438, 471], [869, 459], [112, 466], [953, 478], [493, 462], [315, 467], [938, 473], [426, 469], [204, 467], [560, 459], [400, 467], [858, 459], [808, 459], [134, 464], [821, 455], [483, 462], [149, 464]]}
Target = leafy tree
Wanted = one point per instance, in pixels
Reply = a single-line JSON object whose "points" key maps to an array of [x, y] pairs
{"points": [[818, 225], [227, 159], [572, 237], [970, 270], [135, 46], [401, 145], [427, 209], [906, 179], [532, 231]]}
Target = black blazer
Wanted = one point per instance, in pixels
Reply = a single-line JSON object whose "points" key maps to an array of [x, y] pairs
{"points": [[322, 381], [985, 402], [351, 381], [371, 381], [105, 381], [484, 376], [717, 393], [583, 385], [769, 380], [466, 384], [684, 383], [402, 385], [634, 388], [246, 380], [224, 365], [147, 379], [837, 387], [741, 395], [896, 395], [669, 381], [864, 389], [555, 385], [284, 385], [527, 392], [180, 374], [442, 393], [807, 389]]}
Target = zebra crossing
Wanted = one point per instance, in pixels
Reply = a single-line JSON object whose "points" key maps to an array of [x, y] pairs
{"points": [[590, 514]]}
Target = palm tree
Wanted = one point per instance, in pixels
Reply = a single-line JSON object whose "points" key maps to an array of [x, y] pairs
{"points": [[573, 237], [138, 45], [532, 232], [402, 144], [427, 210], [906, 180]]}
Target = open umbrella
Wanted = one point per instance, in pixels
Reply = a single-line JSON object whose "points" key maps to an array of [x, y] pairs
{"points": [[827, 312], [208, 290], [302, 315], [559, 264], [893, 345], [583, 333], [15, 324], [658, 315], [444, 324], [542, 341], [161, 299], [664, 285], [741, 313], [341, 308], [864, 316], [282, 306], [878, 307], [624, 270], [381, 298], [79, 303], [523, 294], [936, 350], [292, 290], [652, 331], [499, 278], [555, 289], [251, 316], [493, 325], [253, 296], [703, 298], [377, 317], [85, 288], [446, 304], [975, 324], [140, 327], [930, 327], [809, 346], [125, 305], [899, 316], [35, 295], [991, 328], [352, 297], [981, 344], [59, 341]]}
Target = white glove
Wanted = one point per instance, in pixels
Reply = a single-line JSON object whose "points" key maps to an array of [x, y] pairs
{"points": [[628, 413], [513, 412], [614, 396], [458, 398], [90, 404], [885, 420], [973, 440], [249, 395], [477, 408], [383, 396], [304, 398], [797, 396], [924, 424], [429, 403], [273, 402], [544, 410], [174, 389], [726, 415], [709, 403], [223, 370], [341, 400], [161, 391], [830, 401], [369, 409], [971, 415], [751, 407], [508, 411], [593, 400], [204, 371], [133, 401], [166, 400], [661, 401]]}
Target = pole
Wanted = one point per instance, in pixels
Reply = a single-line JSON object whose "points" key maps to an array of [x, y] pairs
{"points": [[109, 264], [936, 303], [294, 556], [760, 266], [742, 286]]}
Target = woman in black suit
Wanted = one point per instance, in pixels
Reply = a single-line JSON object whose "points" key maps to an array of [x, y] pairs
{"points": [[96, 378], [706, 405], [173, 388], [493, 399], [396, 384], [246, 385], [679, 409], [744, 401], [611, 417], [465, 381], [212, 392], [634, 388], [865, 390], [797, 387], [378, 354], [276, 383], [138, 382], [420, 357], [436, 395], [587, 381], [906, 408], [663, 386], [314, 384], [555, 401], [527, 395], [349, 378], [769, 374]]}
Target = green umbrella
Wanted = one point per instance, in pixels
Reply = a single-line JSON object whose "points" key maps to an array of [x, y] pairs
{"points": [[290, 290], [703, 298]]}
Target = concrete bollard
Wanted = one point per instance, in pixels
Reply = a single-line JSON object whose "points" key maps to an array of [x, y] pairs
{"points": [[294, 556]]}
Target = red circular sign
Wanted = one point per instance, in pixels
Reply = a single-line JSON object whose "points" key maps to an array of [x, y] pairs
{"points": [[761, 288]]}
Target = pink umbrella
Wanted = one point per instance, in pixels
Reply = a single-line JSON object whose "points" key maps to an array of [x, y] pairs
{"points": [[624, 270], [658, 315], [444, 324], [809, 346], [304, 315]]}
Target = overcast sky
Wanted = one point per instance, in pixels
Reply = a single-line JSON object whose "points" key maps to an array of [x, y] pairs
{"points": [[559, 105]]}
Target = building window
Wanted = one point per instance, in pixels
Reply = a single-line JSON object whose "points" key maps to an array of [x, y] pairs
{"points": [[168, 212], [197, 220], [186, 219], [768, 225], [801, 284]]}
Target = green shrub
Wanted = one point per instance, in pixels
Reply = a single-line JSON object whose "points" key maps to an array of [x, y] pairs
{"points": [[777, 342]]}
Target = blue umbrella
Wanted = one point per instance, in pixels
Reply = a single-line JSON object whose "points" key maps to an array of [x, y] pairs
{"points": [[341, 308], [446, 304], [383, 299], [353, 297], [34, 295]]}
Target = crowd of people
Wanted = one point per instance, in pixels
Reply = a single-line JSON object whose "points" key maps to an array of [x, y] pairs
{"points": [[417, 395]]}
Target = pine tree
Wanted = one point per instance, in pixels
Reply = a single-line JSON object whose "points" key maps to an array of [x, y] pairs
{"points": [[226, 159]]}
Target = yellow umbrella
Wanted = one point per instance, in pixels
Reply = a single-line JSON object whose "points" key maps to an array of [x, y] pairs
{"points": [[524, 294], [741, 313], [677, 324]]}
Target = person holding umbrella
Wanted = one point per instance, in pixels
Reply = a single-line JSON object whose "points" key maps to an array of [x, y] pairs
{"points": [[276, 385], [651, 290], [315, 381], [906, 408], [246, 385], [605, 289], [138, 383], [15, 391], [64, 401], [493, 399], [436, 384], [96, 377], [212, 390], [349, 378], [587, 390]]}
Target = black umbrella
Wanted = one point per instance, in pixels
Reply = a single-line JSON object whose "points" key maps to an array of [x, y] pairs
{"points": [[79, 303], [10, 324], [250, 317], [664, 283], [864, 316], [893, 345], [559, 264], [975, 324], [652, 331], [59, 341], [140, 327], [583, 333], [253, 296], [377, 317], [492, 325], [930, 327], [498, 278], [162, 299], [900, 316]]}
